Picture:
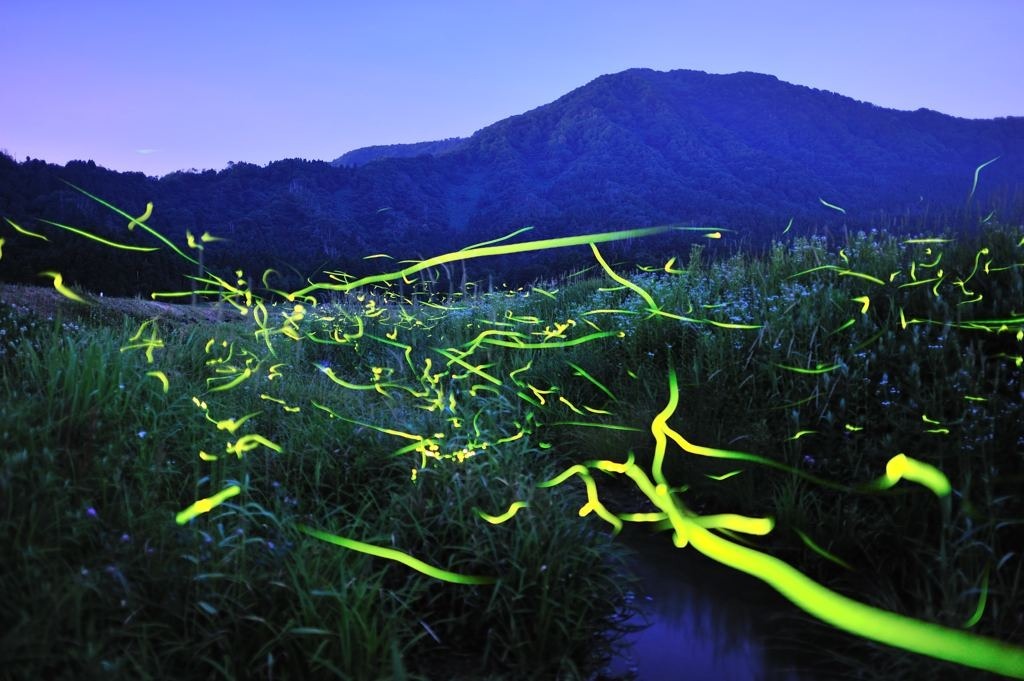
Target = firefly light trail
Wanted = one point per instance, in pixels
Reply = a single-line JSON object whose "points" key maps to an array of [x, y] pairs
{"points": [[466, 371]]}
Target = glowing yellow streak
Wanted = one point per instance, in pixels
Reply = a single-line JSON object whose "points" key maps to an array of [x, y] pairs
{"points": [[327, 371], [924, 417], [397, 556], [845, 325], [974, 398], [539, 393], [510, 438], [389, 431], [820, 369], [150, 344], [593, 502], [822, 552], [162, 377], [902, 466], [980, 609], [554, 344], [841, 272], [58, 283], [231, 425], [235, 382], [865, 302], [713, 235], [977, 171], [378, 255], [723, 476], [977, 261], [919, 282], [668, 267], [142, 218], [524, 319], [498, 240], [831, 205], [735, 522], [561, 398], [249, 442], [583, 374], [105, 242], [206, 505], [606, 426], [478, 370], [687, 446], [861, 275], [932, 240], [854, 429], [507, 515], [512, 374], [475, 343], [21, 230], [2, 242], [800, 433], [207, 457], [610, 311], [132, 220], [788, 226], [622, 280], [828, 606], [486, 251], [642, 517], [142, 328], [721, 325]]}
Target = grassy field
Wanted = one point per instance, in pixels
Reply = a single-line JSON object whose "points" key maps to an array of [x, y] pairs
{"points": [[753, 401]]}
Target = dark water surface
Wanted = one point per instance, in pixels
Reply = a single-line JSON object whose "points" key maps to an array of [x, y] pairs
{"points": [[707, 621]]}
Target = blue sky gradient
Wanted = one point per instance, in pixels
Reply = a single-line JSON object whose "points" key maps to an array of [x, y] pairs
{"points": [[158, 87]]}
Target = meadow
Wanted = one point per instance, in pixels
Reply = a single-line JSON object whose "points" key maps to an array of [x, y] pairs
{"points": [[376, 479]]}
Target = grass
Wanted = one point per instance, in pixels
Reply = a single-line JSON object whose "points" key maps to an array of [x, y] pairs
{"points": [[97, 459]]}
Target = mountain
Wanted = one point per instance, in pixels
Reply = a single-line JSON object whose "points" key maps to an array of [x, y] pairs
{"points": [[743, 151], [364, 155]]}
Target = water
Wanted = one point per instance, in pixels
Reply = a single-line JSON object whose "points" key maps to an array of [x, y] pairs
{"points": [[707, 621]]}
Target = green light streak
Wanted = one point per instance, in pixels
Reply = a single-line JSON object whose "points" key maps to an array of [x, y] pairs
{"points": [[21, 230], [977, 172], [136, 221], [831, 205], [58, 283], [487, 251], [397, 556], [820, 551], [820, 369], [206, 505], [507, 515], [902, 466]]}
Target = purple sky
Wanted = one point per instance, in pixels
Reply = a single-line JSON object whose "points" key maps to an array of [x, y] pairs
{"points": [[162, 86]]}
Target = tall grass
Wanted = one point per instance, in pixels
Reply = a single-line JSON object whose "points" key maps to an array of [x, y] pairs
{"points": [[98, 459]]}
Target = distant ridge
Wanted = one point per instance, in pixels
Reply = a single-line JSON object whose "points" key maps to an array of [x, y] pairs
{"points": [[743, 151], [364, 155]]}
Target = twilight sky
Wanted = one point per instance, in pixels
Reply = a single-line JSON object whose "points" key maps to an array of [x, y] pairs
{"points": [[163, 86]]}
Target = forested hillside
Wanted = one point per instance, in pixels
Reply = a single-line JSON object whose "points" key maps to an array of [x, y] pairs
{"points": [[745, 152]]}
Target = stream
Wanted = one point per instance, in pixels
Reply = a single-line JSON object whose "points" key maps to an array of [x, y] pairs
{"points": [[706, 621]]}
